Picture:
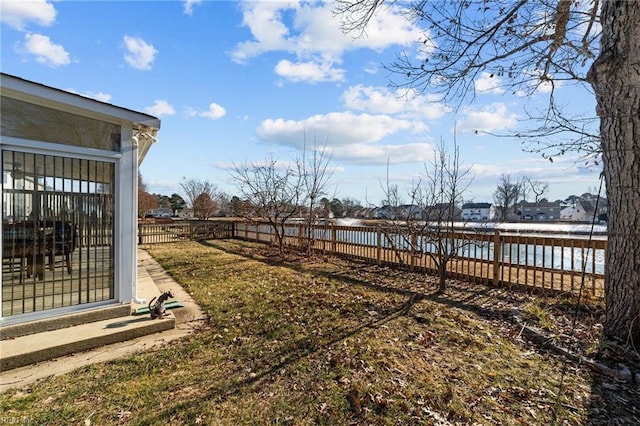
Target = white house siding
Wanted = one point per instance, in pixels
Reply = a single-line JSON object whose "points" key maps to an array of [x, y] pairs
{"points": [[576, 213], [476, 212]]}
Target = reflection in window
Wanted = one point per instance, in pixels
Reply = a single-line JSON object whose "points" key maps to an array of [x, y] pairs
{"points": [[57, 245]]}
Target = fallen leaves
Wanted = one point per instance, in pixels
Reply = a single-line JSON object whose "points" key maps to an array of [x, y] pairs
{"points": [[335, 343]]}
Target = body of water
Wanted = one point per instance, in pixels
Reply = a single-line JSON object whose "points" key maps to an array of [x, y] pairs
{"points": [[541, 255]]}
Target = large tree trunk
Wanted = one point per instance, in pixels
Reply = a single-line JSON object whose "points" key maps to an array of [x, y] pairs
{"points": [[615, 77]]}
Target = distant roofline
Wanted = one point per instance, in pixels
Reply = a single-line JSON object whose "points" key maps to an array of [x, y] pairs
{"points": [[476, 205], [540, 204]]}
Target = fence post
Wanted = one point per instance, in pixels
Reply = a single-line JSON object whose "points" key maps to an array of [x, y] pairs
{"points": [[333, 238], [497, 256], [139, 233], [301, 234], [413, 250], [378, 244]]}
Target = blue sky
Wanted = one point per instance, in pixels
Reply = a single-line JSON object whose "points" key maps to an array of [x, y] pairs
{"points": [[236, 82]]}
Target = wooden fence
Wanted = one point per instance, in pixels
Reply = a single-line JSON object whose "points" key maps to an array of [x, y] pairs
{"points": [[558, 263], [171, 232]]}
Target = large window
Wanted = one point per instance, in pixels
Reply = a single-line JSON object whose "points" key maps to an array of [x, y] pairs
{"points": [[57, 231]]}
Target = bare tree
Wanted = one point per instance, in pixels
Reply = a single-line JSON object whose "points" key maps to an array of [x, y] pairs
{"points": [[202, 196], [435, 198], [274, 192], [553, 134], [315, 173], [525, 45], [506, 196], [393, 200], [204, 206], [146, 201], [539, 189]]}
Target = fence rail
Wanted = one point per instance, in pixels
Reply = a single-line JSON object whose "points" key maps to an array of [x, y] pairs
{"points": [[561, 263], [171, 232]]}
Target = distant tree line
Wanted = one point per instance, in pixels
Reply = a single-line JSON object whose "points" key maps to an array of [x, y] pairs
{"points": [[205, 200]]}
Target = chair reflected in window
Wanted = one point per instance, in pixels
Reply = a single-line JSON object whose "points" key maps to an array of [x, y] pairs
{"points": [[37, 241]]}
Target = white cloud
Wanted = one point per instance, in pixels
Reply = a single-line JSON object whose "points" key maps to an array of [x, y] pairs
{"points": [[336, 128], [188, 6], [44, 50], [381, 154], [372, 68], [536, 85], [160, 108], [389, 27], [485, 171], [489, 118], [214, 112], [563, 176], [489, 83], [140, 54], [349, 137], [405, 103], [312, 33], [17, 14], [162, 186], [102, 97], [309, 71], [265, 22]]}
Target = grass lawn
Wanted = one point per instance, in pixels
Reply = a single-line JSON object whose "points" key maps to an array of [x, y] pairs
{"points": [[325, 341]]}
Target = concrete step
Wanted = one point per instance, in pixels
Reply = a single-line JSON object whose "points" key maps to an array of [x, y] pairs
{"points": [[112, 325], [37, 341], [33, 348], [42, 326]]}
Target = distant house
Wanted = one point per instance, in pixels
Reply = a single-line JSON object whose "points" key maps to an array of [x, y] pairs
{"points": [[584, 211], [384, 212], [364, 213], [186, 213], [476, 212], [160, 212], [410, 211], [403, 212], [540, 212], [443, 212]]}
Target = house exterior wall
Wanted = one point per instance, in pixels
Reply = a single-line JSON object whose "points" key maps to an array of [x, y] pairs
{"points": [[471, 214], [476, 212], [576, 213], [540, 212]]}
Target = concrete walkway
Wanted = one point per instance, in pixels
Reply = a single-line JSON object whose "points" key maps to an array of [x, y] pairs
{"points": [[152, 280]]}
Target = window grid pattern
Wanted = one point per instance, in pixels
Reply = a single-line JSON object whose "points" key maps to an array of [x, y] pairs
{"points": [[58, 244]]}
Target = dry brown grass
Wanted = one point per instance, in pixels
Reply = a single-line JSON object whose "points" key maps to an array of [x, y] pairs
{"points": [[324, 341]]}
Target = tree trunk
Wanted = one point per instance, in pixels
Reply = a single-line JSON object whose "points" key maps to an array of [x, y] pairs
{"points": [[442, 276], [615, 77]]}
